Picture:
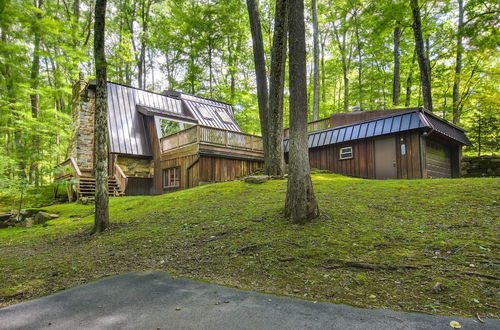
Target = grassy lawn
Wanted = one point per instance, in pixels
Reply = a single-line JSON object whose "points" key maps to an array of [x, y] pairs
{"points": [[377, 244]]}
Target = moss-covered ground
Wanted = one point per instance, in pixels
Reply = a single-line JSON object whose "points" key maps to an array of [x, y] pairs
{"points": [[377, 244]]}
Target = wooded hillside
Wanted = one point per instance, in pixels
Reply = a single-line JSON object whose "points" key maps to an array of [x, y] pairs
{"points": [[365, 57]]}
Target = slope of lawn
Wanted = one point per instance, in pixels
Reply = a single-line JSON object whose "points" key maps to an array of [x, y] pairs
{"points": [[377, 244]]}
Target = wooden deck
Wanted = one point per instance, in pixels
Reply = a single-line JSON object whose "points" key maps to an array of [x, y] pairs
{"points": [[204, 135], [206, 154]]}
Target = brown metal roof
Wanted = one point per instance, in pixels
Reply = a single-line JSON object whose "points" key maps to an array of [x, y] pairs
{"points": [[127, 106]]}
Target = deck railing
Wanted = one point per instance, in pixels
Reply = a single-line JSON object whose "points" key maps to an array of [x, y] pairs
{"points": [[213, 136], [316, 125]]}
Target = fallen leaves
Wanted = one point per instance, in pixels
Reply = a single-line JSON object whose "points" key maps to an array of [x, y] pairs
{"points": [[455, 325]]}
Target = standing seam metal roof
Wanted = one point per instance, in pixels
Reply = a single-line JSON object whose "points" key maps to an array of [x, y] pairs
{"points": [[126, 106], [382, 126]]}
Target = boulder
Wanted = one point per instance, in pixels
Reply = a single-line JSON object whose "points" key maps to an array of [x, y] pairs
{"points": [[5, 216], [42, 217], [256, 179]]}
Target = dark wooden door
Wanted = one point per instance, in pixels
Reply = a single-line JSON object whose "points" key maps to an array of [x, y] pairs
{"points": [[385, 158]]}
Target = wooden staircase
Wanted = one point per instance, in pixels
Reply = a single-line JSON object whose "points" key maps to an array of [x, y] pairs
{"points": [[81, 183], [86, 187]]}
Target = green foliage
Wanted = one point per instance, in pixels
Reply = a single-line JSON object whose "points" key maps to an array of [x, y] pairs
{"points": [[234, 234], [204, 47]]}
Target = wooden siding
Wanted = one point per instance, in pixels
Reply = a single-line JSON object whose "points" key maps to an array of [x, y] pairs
{"points": [[155, 148], [183, 162], [223, 164], [362, 164], [138, 186], [218, 169], [438, 160]]}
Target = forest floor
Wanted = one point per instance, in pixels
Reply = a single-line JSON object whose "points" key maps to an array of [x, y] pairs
{"points": [[378, 244]]}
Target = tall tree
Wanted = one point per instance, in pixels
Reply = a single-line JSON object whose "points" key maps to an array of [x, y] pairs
{"points": [[316, 91], [300, 205], [35, 96], [275, 161], [422, 57], [101, 121], [458, 64], [270, 101], [396, 80], [260, 71]]}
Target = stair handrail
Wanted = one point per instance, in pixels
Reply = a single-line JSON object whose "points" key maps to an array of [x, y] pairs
{"points": [[71, 161], [121, 178]]}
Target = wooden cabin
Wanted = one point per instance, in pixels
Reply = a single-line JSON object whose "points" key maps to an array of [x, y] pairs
{"points": [[158, 142], [386, 144]]}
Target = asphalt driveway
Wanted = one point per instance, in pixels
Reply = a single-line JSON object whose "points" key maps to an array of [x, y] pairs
{"points": [[158, 301]]}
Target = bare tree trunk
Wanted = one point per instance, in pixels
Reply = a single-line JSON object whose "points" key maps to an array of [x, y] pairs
{"points": [[275, 163], [323, 74], [314, 6], [301, 205], [260, 72], [101, 122], [34, 96], [210, 68], [423, 60], [396, 81], [409, 81], [360, 63], [458, 64]]}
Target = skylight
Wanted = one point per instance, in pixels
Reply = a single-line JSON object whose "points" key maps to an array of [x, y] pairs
{"points": [[224, 116], [205, 113]]}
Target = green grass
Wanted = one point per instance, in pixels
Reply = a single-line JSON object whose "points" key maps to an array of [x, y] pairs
{"points": [[234, 234]]}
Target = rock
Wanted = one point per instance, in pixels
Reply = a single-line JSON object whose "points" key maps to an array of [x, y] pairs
{"points": [[42, 217], [438, 287], [85, 200], [256, 179], [5, 216]]}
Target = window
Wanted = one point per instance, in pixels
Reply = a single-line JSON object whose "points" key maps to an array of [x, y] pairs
{"points": [[224, 116], [171, 177], [204, 111], [346, 153], [169, 127]]}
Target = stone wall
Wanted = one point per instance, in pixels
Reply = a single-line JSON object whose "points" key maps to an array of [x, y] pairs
{"points": [[480, 166], [136, 167], [83, 110]]}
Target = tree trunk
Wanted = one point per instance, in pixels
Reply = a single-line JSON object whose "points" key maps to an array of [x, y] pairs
{"points": [[301, 205], [396, 81], [34, 96], [423, 60], [260, 72], [275, 163], [316, 60], [346, 87], [210, 67], [101, 122], [360, 63], [323, 75], [458, 64], [409, 81]]}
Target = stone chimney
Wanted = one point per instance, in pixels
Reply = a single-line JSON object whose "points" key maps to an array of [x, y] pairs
{"points": [[83, 113]]}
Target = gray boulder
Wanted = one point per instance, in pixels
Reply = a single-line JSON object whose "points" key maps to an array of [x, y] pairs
{"points": [[42, 217]]}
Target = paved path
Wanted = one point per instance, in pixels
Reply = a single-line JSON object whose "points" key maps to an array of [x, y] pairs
{"points": [[150, 301]]}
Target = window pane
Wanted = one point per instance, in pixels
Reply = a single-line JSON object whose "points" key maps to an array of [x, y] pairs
{"points": [[224, 116]]}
